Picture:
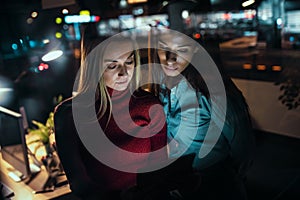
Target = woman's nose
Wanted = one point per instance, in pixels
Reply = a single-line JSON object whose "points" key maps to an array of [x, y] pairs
{"points": [[122, 70], [171, 57]]}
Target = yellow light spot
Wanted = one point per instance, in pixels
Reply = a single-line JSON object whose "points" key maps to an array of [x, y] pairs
{"points": [[58, 35], [261, 67], [276, 68], [29, 20], [84, 12], [247, 66], [58, 20], [34, 14]]}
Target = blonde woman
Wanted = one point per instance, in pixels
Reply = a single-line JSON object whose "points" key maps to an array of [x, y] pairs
{"points": [[110, 72]]}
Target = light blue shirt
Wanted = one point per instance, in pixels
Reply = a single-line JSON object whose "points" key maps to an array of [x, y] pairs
{"points": [[188, 116]]}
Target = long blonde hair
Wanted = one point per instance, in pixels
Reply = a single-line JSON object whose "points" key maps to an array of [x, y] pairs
{"points": [[91, 71]]}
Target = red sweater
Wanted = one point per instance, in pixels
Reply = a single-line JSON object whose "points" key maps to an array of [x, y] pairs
{"points": [[86, 173]]}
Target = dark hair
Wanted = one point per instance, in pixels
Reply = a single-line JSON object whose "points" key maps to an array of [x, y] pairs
{"points": [[236, 103], [237, 112]]}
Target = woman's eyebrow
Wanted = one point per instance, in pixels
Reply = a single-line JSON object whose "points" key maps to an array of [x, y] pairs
{"points": [[132, 53], [110, 60], [184, 45], [162, 42]]}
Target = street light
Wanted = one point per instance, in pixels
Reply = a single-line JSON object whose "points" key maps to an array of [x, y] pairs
{"points": [[52, 55], [248, 3]]}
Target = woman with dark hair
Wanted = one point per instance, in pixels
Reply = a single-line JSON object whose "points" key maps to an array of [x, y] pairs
{"points": [[206, 115], [108, 85]]}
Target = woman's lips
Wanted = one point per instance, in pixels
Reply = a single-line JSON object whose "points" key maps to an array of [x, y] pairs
{"points": [[122, 82], [170, 67]]}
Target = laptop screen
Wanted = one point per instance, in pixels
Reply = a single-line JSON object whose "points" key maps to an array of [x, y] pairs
{"points": [[12, 140]]}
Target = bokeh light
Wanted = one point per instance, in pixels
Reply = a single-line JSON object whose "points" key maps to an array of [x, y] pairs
{"points": [[65, 11], [34, 14], [58, 20], [6, 91], [58, 35], [52, 55]]}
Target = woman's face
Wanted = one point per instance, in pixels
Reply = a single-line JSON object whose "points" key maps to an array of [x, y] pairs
{"points": [[119, 65], [175, 53]]}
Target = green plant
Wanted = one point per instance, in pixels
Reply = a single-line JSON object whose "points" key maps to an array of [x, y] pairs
{"points": [[42, 133]]}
